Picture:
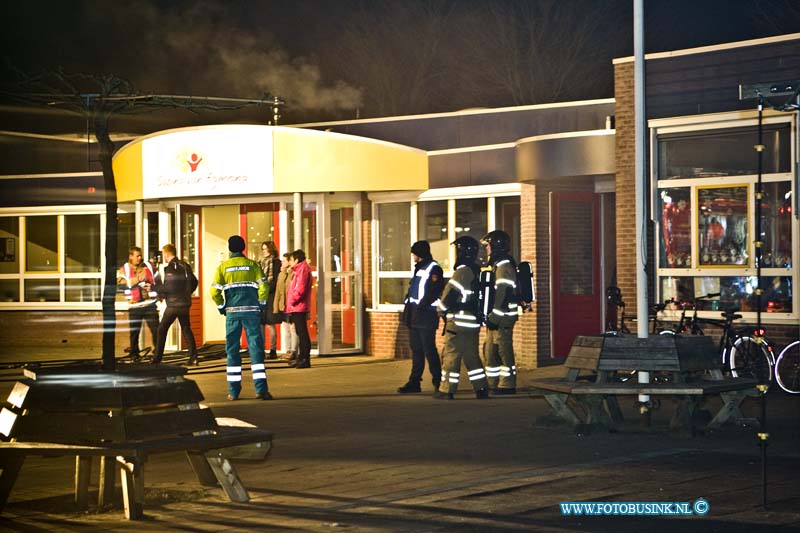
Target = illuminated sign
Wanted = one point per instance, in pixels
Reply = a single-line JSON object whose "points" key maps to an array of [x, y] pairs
{"points": [[208, 162]]}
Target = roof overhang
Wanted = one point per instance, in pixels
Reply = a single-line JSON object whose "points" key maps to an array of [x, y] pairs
{"points": [[253, 159], [583, 153]]}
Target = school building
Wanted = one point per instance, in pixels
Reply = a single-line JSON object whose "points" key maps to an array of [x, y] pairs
{"points": [[355, 194]]}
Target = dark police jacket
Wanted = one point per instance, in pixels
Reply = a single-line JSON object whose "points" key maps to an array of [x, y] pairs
{"points": [[177, 284], [422, 300]]}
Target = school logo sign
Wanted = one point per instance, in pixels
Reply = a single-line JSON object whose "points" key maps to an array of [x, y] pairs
{"points": [[209, 161]]}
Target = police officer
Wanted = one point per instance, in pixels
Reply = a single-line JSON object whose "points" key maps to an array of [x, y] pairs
{"points": [[498, 350], [460, 309], [240, 292], [420, 315]]}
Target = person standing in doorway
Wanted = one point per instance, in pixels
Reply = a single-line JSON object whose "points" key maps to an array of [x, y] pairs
{"points": [[288, 334], [420, 315], [270, 265], [298, 304], [240, 292], [460, 309], [137, 280], [175, 289], [498, 349]]}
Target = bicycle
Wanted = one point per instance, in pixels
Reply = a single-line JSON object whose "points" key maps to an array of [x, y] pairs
{"points": [[744, 352], [787, 368]]}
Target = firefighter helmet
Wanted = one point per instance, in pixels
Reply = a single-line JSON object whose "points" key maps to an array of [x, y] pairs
{"points": [[466, 249], [499, 241]]}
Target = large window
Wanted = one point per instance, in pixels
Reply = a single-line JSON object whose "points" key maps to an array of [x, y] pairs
{"points": [[438, 221], [51, 258], [706, 182]]}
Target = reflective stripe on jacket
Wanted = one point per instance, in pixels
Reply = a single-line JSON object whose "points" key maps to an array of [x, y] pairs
{"points": [[459, 301], [239, 285], [136, 295], [506, 308]]}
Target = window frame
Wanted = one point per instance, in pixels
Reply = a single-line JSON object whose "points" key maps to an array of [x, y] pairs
{"points": [[450, 195], [716, 122], [22, 275]]}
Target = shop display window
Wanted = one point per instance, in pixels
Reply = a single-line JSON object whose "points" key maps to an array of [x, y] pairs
{"points": [[722, 226], [676, 230], [776, 225], [705, 232], [723, 152], [737, 292]]}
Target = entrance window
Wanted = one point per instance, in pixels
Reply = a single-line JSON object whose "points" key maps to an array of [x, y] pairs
{"points": [[82, 243], [432, 227], [394, 258], [506, 209], [471, 218], [262, 225], [41, 246]]}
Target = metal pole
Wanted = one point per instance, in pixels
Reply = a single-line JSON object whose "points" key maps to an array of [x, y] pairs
{"points": [[763, 380], [640, 187], [298, 221], [139, 225]]}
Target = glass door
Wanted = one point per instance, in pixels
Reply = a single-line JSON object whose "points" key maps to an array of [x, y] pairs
{"points": [[342, 295]]}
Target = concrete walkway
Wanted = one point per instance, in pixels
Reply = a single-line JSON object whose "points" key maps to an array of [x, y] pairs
{"points": [[351, 454]]}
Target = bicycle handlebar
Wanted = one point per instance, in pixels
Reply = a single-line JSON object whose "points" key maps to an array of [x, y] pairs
{"points": [[708, 296]]}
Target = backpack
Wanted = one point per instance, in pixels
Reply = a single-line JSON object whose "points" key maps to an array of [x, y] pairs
{"points": [[525, 295]]}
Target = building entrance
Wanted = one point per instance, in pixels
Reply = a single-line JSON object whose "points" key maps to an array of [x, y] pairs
{"points": [[575, 274]]}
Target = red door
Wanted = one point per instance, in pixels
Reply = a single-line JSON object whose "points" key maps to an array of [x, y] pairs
{"points": [[575, 268]]}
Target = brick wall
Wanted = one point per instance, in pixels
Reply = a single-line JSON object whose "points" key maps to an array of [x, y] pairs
{"points": [[53, 331], [625, 193]]}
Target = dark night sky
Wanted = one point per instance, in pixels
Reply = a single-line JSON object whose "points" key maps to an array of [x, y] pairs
{"points": [[295, 48]]}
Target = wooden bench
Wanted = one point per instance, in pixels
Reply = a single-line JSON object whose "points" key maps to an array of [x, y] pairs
{"points": [[587, 396], [123, 418]]}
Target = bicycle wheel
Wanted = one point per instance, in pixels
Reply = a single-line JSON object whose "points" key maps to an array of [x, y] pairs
{"points": [[750, 359], [787, 369]]}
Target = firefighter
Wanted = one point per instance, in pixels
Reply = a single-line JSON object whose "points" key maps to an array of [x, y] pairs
{"points": [[498, 349], [462, 325], [240, 292], [420, 315]]}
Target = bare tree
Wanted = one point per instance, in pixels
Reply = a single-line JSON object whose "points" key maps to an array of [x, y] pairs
{"points": [[777, 16], [532, 52], [393, 51], [98, 98]]}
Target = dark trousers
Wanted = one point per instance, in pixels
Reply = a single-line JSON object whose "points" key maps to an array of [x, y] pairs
{"points": [[170, 314], [423, 346], [136, 315], [303, 340]]}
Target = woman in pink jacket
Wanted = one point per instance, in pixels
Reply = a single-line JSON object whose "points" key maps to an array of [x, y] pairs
{"points": [[298, 304]]}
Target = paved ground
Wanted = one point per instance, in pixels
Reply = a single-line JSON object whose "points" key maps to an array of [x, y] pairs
{"points": [[350, 454]]}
